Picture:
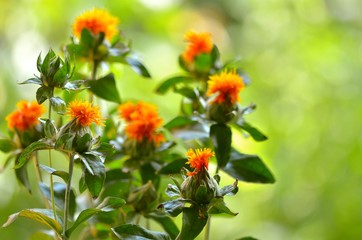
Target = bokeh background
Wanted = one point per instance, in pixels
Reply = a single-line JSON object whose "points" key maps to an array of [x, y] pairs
{"points": [[305, 61]]}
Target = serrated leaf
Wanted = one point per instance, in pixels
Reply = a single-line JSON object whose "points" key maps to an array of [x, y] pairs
{"points": [[94, 179], [172, 207], [192, 223], [58, 105], [138, 67], [50, 129], [23, 177], [220, 135], [43, 216], [83, 216], [229, 190], [28, 152], [43, 93], [172, 191], [7, 145], [105, 88], [254, 132], [62, 174], [248, 168], [61, 76], [172, 82], [136, 232], [111, 203], [166, 222], [32, 81], [217, 206], [47, 60], [179, 121], [74, 85], [59, 196]]}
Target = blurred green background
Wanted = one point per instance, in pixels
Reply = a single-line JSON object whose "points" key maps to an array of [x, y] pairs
{"points": [[305, 62]]}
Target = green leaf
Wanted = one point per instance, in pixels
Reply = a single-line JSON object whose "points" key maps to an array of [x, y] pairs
{"points": [[83, 216], [220, 135], [50, 129], [187, 92], [61, 76], [136, 232], [32, 81], [62, 174], [7, 145], [229, 190], [254, 132], [95, 174], [58, 104], [192, 223], [191, 132], [45, 66], [172, 191], [105, 88], [23, 177], [59, 196], [74, 85], [179, 121], [166, 222], [173, 167], [43, 216], [138, 67], [247, 238], [111, 203], [28, 152], [217, 206], [148, 173], [172, 82], [43, 93], [248, 168], [172, 207]]}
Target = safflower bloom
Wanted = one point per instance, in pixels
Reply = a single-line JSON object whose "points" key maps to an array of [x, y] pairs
{"points": [[96, 21], [197, 43], [227, 84], [84, 113], [199, 159], [26, 117], [142, 121]]}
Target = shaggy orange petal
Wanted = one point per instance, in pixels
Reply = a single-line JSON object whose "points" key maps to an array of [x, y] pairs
{"points": [[84, 113], [197, 43], [96, 21], [26, 117], [199, 159], [227, 85]]}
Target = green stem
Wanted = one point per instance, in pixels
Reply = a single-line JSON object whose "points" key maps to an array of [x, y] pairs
{"points": [[67, 195], [93, 77], [207, 229], [50, 164]]}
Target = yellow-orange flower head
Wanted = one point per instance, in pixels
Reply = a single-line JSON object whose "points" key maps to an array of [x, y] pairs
{"points": [[197, 43], [96, 21], [227, 85], [84, 113], [26, 117], [142, 121], [199, 159]]}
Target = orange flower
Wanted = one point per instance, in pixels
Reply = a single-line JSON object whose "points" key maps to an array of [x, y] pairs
{"points": [[199, 159], [197, 43], [142, 121], [84, 113], [26, 116], [96, 21], [227, 84]]}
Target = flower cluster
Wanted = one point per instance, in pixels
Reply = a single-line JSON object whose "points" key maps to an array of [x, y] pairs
{"points": [[96, 21], [26, 117], [227, 85], [197, 43], [142, 121], [84, 113]]}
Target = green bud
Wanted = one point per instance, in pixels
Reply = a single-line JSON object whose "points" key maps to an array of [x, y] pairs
{"points": [[220, 113], [143, 198]]}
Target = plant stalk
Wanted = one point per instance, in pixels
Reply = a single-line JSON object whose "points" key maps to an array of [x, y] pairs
{"points": [[207, 229], [67, 195], [50, 165]]}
